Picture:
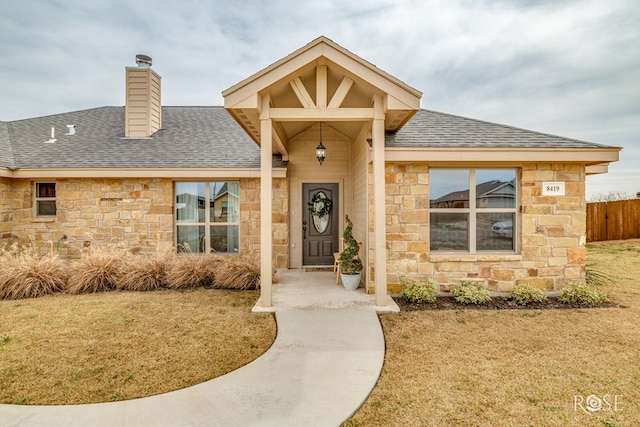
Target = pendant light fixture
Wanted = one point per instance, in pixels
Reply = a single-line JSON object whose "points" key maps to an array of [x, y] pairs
{"points": [[321, 150]]}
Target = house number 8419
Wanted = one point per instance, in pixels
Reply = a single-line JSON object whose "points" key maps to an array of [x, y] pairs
{"points": [[553, 189]]}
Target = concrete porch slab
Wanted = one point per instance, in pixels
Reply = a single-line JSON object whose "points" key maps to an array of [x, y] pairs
{"points": [[317, 290]]}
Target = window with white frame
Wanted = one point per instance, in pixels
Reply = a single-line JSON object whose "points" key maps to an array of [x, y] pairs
{"points": [[472, 210], [207, 217], [45, 199]]}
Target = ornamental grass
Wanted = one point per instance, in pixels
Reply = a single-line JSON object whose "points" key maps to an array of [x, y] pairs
{"points": [[241, 272], [187, 272], [145, 273], [25, 274], [99, 269], [30, 275]]}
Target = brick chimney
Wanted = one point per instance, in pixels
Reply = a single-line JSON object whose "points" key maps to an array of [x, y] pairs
{"points": [[143, 107]]}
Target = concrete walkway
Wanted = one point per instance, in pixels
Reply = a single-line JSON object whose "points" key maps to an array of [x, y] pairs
{"points": [[321, 367]]}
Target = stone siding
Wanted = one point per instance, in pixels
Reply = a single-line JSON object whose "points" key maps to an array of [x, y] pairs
{"points": [[552, 233], [280, 210], [135, 213], [250, 219], [6, 209], [407, 216]]}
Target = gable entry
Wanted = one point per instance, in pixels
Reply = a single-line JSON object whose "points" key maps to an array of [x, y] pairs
{"points": [[282, 108]]}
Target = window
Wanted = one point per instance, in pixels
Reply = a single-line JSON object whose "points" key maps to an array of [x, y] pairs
{"points": [[45, 199], [207, 217], [472, 210]]}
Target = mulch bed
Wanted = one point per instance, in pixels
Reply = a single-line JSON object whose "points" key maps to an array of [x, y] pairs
{"points": [[496, 303]]}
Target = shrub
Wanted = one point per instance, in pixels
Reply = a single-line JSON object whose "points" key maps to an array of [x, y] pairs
{"points": [[582, 294], [145, 273], [418, 292], [192, 271], [29, 276], [349, 261], [97, 270], [239, 272], [469, 292], [524, 294]]}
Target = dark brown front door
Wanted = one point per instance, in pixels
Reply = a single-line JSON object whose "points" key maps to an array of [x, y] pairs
{"points": [[319, 232]]}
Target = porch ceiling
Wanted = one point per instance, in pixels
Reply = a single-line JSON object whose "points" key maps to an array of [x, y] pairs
{"points": [[320, 82]]}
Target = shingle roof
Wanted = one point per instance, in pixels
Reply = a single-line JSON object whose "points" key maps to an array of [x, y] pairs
{"points": [[208, 137], [433, 129], [6, 152], [191, 137]]}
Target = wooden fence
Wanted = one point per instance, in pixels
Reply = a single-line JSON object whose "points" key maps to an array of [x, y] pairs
{"points": [[617, 220]]}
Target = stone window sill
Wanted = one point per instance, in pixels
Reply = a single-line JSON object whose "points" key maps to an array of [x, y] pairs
{"points": [[457, 257], [44, 219]]}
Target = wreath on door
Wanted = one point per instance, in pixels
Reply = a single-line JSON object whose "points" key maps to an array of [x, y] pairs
{"points": [[320, 205]]}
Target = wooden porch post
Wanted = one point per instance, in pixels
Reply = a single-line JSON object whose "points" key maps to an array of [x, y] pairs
{"points": [[379, 220], [266, 221]]}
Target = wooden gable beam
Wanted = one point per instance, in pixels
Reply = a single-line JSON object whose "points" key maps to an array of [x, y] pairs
{"points": [[301, 93], [321, 83], [321, 114], [341, 93], [279, 143]]}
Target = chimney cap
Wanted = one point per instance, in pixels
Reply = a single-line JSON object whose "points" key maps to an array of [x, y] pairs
{"points": [[143, 61]]}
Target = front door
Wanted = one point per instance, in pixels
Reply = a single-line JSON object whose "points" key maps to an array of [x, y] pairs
{"points": [[319, 223]]}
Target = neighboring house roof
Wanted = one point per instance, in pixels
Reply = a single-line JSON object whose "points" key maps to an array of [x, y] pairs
{"points": [[222, 191], [433, 129], [208, 137], [191, 137], [485, 189]]}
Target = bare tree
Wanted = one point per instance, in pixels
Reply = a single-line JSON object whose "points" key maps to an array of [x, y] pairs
{"points": [[611, 196]]}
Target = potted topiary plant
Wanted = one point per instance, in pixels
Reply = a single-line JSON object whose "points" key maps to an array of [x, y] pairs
{"points": [[349, 261]]}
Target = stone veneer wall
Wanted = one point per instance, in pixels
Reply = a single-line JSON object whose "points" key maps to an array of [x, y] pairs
{"points": [[552, 235], [6, 208], [407, 221], [250, 219], [280, 211], [137, 213]]}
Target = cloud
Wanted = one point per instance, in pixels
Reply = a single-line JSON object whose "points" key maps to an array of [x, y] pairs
{"points": [[565, 67]]}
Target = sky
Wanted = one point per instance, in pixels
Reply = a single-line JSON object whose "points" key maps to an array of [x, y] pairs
{"points": [[564, 67]]}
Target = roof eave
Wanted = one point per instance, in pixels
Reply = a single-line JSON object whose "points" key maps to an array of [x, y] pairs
{"points": [[502, 155], [172, 173]]}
